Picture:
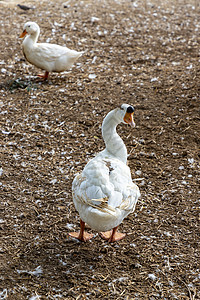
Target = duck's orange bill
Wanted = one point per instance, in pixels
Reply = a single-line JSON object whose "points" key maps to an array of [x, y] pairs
{"points": [[23, 33], [128, 118]]}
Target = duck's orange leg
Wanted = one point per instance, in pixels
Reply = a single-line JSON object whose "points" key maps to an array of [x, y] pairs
{"points": [[44, 76], [112, 235], [81, 235]]}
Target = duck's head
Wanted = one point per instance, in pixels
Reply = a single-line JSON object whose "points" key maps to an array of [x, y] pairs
{"points": [[125, 113], [30, 28]]}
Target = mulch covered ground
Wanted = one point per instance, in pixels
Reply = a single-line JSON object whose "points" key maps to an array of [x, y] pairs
{"points": [[136, 52]]}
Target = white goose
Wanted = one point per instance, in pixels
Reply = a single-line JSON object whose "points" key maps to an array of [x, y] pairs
{"points": [[48, 57], [104, 193]]}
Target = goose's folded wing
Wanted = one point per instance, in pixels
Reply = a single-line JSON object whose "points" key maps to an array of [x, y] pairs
{"points": [[92, 193], [130, 197], [51, 52]]}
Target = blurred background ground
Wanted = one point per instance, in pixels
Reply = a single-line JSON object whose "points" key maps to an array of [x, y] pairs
{"points": [[137, 52]]}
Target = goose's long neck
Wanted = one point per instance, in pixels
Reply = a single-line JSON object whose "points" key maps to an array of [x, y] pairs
{"points": [[31, 40], [114, 143]]}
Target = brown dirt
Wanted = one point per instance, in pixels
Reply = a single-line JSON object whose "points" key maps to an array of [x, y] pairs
{"points": [[142, 54]]}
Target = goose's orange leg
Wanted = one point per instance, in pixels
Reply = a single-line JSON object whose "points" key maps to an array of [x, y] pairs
{"points": [[112, 235], [81, 235], [44, 76]]}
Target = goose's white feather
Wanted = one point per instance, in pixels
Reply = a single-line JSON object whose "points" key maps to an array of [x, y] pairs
{"points": [[104, 193], [46, 56]]}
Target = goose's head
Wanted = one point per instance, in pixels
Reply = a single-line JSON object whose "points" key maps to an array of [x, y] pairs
{"points": [[125, 114], [30, 28]]}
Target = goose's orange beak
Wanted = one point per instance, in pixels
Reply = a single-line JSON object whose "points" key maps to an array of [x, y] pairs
{"points": [[128, 118], [23, 33]]}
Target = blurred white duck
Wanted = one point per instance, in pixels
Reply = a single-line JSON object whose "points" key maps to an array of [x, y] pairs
{"points": [[104, 193], [48, 57]]}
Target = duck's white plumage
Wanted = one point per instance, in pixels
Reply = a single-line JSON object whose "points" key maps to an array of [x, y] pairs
{"points": [[104, 193], [46, 56]]}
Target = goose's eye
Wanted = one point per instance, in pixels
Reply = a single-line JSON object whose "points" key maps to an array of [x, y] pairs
{"points": [[130, 109]]}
